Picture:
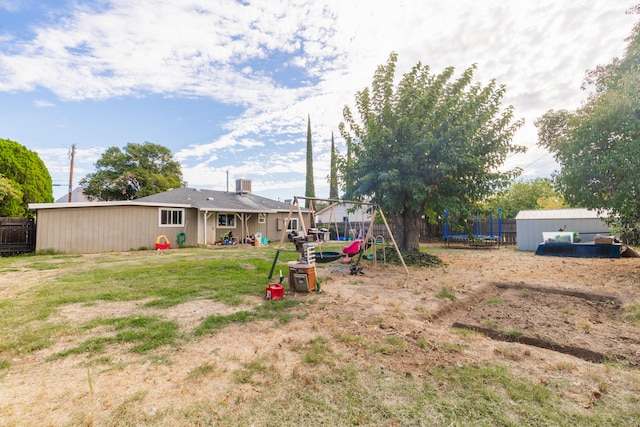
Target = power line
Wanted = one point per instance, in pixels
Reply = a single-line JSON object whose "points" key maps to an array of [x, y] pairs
{"points": [[536, 160]]}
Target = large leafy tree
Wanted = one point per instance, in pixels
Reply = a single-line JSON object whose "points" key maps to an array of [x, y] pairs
{"points": [[533, 194], [138, 170], [598, 145], [10, 199], [24, 179], [432, 142]]}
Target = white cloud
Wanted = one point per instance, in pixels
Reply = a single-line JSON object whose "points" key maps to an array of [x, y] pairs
{"points": [[43, 104], [228, 51], [12, 5], [156, 46], [228, 142]]}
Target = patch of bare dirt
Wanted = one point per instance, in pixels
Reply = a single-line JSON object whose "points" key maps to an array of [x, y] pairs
{"points": [[496, 291], [584, 324]]}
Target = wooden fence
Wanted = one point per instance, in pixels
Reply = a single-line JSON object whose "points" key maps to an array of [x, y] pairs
{"points": [[433, 232], [508, 229], [17, 236]]}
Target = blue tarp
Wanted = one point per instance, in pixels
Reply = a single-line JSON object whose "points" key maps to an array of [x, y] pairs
{"points": [[580, 250]]}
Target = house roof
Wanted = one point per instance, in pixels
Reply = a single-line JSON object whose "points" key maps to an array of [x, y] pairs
{"points": [[37, 206], [203, 200], [218, 201], [573, 213], [77, 195]]}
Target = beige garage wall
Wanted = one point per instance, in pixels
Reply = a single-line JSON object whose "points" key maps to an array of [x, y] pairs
{"points": [[106, 228]]}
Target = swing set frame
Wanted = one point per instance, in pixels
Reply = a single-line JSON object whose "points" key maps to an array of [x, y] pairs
{"points": [[295, 206]]}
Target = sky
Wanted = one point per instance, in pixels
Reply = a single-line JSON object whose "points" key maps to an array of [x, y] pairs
{"points": [[228, 86]]}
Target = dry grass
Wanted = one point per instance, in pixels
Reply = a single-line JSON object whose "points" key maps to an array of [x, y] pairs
{"points": [[364, 352]]}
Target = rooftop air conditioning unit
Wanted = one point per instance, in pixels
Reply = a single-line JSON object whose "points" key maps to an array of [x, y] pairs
{"points": [[243, 186]]}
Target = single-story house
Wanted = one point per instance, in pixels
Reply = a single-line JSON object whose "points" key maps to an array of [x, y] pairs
{"points": [[196, 216], [530, 224]]}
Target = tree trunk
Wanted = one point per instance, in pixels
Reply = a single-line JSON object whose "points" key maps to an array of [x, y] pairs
{"points": [[406, 230]]}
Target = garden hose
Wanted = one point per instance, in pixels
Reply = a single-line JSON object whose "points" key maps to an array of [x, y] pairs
{"points": [[181, 238]]}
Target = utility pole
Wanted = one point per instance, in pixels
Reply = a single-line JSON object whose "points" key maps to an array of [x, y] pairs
{"points": [[73, 154]]}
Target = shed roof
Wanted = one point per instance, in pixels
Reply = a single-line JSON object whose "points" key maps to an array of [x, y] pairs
{"points": [[572, 213]]}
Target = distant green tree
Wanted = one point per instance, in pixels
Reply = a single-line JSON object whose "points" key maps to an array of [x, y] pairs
{"points": [[429, 143], [137, 171], [598, 145], [310, 190], [25, 179], [533, 194], [334, 193], [10, 199]]}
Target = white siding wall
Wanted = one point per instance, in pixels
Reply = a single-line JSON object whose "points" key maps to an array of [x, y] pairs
{"points": [[338, 213]]}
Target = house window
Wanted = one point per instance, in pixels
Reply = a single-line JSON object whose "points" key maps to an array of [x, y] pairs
{"points": [[227, 220], [293, 224], [262, 218], [171, 217]]}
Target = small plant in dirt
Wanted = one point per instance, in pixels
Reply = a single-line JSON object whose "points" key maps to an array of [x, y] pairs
{"points": [[463, 331], [375, 321], [245, 374], [318, 351], [509, 353], [452, 347], [584, 324], [490, 301], [632, 313], [425, 344], [512, 334], [391, 345], [565, 366], [446, 294], [199, 372], [349, 339], [46, 252], [568, 310], [491, 324]]}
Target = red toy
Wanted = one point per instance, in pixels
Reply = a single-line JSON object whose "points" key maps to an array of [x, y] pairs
{"points": [[352, 249], [274, 291], [162, 243]]}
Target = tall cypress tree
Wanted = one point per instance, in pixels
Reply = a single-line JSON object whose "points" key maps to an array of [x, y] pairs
{"points": [[310, 190], [333, 178]]}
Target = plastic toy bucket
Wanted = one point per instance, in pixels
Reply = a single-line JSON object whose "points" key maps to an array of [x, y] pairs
{"points": [[274, 291]]}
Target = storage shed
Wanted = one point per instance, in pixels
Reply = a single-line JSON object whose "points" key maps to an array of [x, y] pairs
{"points": [[531, 224]]}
